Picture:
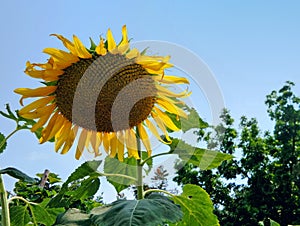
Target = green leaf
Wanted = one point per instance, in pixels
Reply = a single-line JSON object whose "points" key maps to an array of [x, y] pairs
{"points": [[19, 215], [127, 167], [46, 216], [153, 211], [3, 143], [87, 169], [73, 217], [196, 206], [10, 114], [88, 188], [271, 223], [13, 172], [203, 158], [193, 121]]}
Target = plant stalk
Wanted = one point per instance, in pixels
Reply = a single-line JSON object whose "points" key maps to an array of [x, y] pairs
{"points": [[139, 167], [4, 204]]}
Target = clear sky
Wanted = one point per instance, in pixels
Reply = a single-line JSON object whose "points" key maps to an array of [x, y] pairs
{"points": [[251, 47]]}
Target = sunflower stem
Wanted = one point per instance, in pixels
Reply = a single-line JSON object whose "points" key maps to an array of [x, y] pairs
{"points": [[139, 167], [4, 204], [5, 219], [8, 136]]}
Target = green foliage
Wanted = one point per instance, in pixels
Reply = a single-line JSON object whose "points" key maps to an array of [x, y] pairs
{"points": [[154, 210], [196, 206], [35, 213], [80, 185], [193, 121], [3, 143], [203, 158], [269, 222], [13, 172], [19, 215], [127, 167], [268, 166], [73, 217]]}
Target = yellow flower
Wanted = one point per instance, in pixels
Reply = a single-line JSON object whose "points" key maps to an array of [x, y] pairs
{"points": [[103, 96]]}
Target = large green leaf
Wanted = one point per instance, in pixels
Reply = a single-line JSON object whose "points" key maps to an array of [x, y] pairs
{"points": [[87, 170], [193, 121], [153, 211], [73, 217], [196, 206], [114, 166], [46, 216], [203, 158], [37, 213], [19, 215], [13, 172], [88, 188], [2, 143]]}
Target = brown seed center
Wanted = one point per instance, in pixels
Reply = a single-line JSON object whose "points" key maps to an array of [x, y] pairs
{"points": [[106, 93]]}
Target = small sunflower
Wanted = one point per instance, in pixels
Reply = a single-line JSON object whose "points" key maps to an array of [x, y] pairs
{"points": [[102, 96]]}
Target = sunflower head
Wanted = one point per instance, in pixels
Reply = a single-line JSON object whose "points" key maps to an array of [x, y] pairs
{"points": [[104, 95]]}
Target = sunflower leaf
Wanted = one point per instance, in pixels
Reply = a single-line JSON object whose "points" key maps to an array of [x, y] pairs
{"points": [[3, 143], [13, 172], [203, 158], [19, 215], [73, 217], [154, 210], [9, 113], [87, 170], [114, 166], [45, 216], [193, 121], [196, 206]]}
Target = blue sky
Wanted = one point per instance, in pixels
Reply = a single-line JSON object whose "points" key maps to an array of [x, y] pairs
{"points": [[251, 47]]}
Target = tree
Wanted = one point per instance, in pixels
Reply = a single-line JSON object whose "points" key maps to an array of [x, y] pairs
{"points": [[268, 166]]}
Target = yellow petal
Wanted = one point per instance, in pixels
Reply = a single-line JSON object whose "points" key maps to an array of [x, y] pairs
{"points": [[164, 91], [120, 144], [80, 49], [57, 126], [166, 120], [62, 136], [131, 144], [70, 140], [124, 36], [36, 104], [133, 53], [42, 121], [106, 142], [96, 139], [168, 79], [161, 125], [113, 145], [38, 92], [40, 112], [81, 144], [111, 44], [61, 56], [46, 131], [144, 137], [68, 44], [100, 49], [154, 131], [170, 107]]}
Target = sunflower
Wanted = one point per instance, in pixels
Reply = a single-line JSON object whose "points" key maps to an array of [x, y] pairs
{"points": [[107, 95]]}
